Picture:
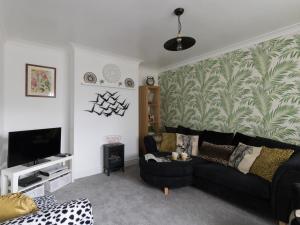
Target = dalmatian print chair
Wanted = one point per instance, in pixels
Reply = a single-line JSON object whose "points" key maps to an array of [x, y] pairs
{"points": [[52, 213]]}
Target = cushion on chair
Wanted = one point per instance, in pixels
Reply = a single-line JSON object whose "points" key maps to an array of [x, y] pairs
{"points": [[233, 179]]}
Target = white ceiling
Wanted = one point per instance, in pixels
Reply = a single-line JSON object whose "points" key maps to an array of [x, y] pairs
{"points": [[138, 28]]}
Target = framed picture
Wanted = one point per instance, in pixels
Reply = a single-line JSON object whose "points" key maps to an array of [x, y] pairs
{"points": [[40, 81]]}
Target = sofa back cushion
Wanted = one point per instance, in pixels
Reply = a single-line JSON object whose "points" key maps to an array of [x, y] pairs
{"points": [[260, 141], [171, 129], [197, 132], [183, 130], [216, 153], [217, 138], [243, 138]]}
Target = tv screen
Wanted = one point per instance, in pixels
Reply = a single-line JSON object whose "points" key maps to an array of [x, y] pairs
{"points": [[31, 145]]}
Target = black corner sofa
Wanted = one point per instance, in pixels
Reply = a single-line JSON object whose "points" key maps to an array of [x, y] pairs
{"points": [[277, 195]]}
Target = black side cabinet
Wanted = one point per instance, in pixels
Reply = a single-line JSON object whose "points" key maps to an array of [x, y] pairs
{"points": [[113, 157]]}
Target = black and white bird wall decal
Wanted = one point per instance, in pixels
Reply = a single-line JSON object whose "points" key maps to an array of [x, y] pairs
{"points": [[109, 104]]}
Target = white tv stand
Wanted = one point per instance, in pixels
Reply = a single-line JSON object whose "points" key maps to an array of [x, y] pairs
{"points": [[10, 176]]}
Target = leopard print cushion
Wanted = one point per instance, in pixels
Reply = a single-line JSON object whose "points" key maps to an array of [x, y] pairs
{"points": [[216, 153], [69, 213], [269, 161]]}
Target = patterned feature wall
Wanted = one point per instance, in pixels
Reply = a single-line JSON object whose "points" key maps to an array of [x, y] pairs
{"points": [[253, 90]]}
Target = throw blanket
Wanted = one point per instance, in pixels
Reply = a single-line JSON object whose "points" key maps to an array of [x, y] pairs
{"points": [[151, 157]]}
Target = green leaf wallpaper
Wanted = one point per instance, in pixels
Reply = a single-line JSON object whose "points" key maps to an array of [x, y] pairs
{"points": [[255, 91]]}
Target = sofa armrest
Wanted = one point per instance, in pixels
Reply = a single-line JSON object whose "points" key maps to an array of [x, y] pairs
{"points": [[295, 215], [296, 196], [282, 194], [150, 144], [73, 212]]}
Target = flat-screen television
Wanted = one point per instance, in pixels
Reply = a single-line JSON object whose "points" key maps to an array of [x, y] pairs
{"points": [[31, 145]]}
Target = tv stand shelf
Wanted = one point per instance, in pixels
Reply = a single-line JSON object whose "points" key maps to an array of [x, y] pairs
{"points": [[11, 175]]}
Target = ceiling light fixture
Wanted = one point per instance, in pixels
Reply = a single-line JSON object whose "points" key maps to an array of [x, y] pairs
{"points": [[179, 43]]}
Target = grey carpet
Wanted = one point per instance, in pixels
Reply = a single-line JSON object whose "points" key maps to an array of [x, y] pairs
{"points": [[124, 199]]}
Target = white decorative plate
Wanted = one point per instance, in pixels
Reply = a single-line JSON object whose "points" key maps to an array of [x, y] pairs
{"points": [[111, 73], [129, 83], [89, 78]]}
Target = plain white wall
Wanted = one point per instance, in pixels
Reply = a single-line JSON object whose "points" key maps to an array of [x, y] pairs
{"points": [[85, 131], [90, 129], [145, 71], [24, 113]]}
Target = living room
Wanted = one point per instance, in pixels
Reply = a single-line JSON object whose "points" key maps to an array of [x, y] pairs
{"points": [[181, 98]]}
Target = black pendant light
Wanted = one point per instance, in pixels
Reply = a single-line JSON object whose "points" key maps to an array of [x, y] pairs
{"points": [[179, 43]]}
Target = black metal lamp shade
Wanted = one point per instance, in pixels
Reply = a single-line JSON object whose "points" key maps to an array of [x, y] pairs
{"points": [[179, 43]]}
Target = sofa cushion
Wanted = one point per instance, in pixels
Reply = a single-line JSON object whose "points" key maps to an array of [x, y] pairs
{"points": [[170, 182], [260, 141], [15, 205], [200, 134], [216, 153], [166, 169], [196, 132], [183, 130], [188, 143], [217, 138], [150, 144], [171, 129], [243, 138], [198, 160], [234, 179], [267, 163], [168, 142], [243, 157]]}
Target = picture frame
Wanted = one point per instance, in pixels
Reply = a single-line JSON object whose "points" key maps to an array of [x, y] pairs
{"points": [[40, 81]]}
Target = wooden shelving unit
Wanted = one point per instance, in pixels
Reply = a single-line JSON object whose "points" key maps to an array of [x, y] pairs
{"points": [[149, 113]]}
